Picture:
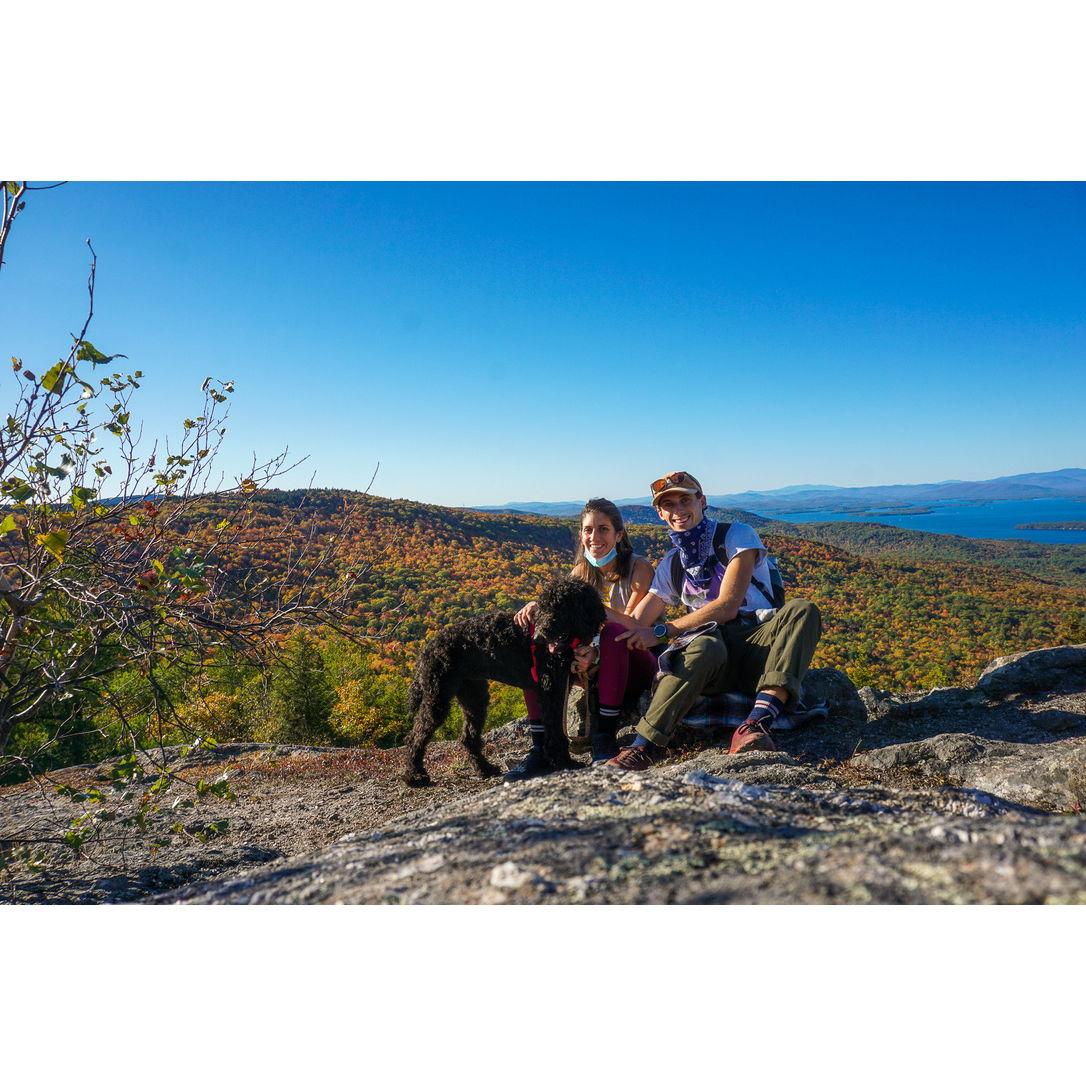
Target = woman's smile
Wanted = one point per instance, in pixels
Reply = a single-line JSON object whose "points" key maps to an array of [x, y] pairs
{"points": [[598, 535]]}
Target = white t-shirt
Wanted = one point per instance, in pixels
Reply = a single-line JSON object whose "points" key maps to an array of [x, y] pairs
{"points": [[741, 537]]}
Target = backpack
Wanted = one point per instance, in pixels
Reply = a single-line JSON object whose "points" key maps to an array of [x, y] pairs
{"points": [[774, 591]]}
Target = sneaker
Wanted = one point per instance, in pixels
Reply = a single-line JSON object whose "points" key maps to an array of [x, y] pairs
{"points": [[752, 736], [604, 747], [636, 759], [536, 764]]}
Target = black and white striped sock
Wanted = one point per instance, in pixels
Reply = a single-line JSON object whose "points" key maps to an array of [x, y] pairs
{"points": [[609, 715]]}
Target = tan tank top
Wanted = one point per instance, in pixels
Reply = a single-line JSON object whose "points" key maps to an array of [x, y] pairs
{"points": [[616, 595]]}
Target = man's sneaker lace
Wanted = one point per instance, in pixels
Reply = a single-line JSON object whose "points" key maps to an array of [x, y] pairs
{"points": [[636, 759], [752, 736]]}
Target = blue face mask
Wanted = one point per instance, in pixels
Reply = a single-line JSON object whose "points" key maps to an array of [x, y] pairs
{"points": [[598, 562]]}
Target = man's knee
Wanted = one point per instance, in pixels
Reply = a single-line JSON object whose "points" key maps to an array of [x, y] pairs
{"points": [[803, 613], [704, 655]]}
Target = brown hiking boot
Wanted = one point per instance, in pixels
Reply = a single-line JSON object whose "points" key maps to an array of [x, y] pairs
{"points": [[752, 736], [637, 759]]}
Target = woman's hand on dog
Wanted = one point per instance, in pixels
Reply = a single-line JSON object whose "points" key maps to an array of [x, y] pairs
{"points": [[526, 615]]}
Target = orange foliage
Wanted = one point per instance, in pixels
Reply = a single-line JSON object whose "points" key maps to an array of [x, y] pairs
{"points": [[888, 622]]}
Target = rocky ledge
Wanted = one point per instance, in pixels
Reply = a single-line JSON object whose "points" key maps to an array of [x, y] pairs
{"points": [[953, 795], [957, 795]]}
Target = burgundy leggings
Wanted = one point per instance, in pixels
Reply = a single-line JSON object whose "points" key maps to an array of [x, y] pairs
{"points": [[624, 673]]}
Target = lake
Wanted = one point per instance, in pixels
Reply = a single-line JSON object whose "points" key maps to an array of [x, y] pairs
{"points": [[992, 520]]}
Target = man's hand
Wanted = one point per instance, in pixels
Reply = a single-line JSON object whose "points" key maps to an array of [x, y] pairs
{"points": [[526, 615], [641, 638]]}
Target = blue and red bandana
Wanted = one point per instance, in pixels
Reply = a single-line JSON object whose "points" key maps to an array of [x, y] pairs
{"points": [[696, 551]]}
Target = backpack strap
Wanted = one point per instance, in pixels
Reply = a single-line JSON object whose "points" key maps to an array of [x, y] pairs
{"points": [[677, 573], [719, 536]]}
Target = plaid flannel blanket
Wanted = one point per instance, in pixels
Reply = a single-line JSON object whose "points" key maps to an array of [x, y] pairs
{"points": [[730, 709]]}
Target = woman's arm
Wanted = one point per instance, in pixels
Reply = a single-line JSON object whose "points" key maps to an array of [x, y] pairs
{"points": [[640, 582]]}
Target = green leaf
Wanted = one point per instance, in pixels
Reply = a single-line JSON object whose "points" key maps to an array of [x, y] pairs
{"points": [[81, 495], [74, 840], [54, 542], [160, 785], [8, 525], [126, 769], [53, 381], [87, 352], [157, 566]]}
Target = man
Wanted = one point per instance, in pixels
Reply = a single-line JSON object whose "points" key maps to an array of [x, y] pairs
{"points": [[752, 647]]}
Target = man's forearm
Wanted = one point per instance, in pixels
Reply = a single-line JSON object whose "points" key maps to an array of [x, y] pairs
{"points": [[718, 611], [733, 590], [649, 610]]}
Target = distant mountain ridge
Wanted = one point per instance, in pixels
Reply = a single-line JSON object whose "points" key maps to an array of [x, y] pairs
{"points": [[814, 497]]}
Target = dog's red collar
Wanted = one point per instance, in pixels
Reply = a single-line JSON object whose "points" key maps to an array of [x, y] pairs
{"points": [[531, 641]]}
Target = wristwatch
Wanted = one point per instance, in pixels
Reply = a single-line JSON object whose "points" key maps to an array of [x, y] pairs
{"points": [[660, 631]]}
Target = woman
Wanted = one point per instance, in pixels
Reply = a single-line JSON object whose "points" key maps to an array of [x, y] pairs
{"points": [[605, 560]]}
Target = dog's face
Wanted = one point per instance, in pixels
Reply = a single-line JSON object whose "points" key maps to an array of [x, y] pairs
{"points": [[568, 611]]}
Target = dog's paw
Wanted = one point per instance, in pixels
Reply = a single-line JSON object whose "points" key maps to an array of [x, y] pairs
{"points": [[488, 769], [417, 780]]}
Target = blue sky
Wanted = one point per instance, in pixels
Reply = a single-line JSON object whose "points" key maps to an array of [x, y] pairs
{"points": [[495, 342]]}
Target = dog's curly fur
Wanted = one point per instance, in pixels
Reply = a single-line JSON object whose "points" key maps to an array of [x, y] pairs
{"points": [[459, 661]]}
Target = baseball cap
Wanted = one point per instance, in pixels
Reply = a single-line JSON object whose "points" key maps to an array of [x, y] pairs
{"points": [[675, 482]]}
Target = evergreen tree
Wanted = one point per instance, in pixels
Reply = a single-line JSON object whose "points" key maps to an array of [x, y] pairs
{"points": [[304, 693]]}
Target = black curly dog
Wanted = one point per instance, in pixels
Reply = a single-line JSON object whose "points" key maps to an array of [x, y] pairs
{"points": [[458, 662]]}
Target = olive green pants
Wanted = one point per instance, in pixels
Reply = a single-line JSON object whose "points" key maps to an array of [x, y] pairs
{"points": [[776, 653]]}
